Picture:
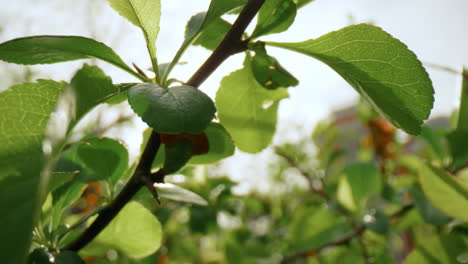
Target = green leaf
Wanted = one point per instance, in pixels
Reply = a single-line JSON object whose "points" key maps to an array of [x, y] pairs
{"points": [[177, 193], [25, 113], [457, 138], [120, 94], [434, 139], [176, 156], [103, 158], [269, 73], [64, 197], [219, 7], [462, 123], [302, 3], [213, 34], [446, 192], [428, 212], [442, 249], [172, 110], [135, 231], [144, 14], [68, 257], [199, 22], [57, 179], [91, 87], [312, 227], [247, 110], [53, 49], [359, 181], [275, 16], [381, 68], [377, 221], [220, 145]]}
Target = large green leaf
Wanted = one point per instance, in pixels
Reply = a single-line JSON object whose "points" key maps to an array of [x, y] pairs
{"points": [[247, 110], [25, 112], [135, 231], [144, 14], [172, 110], [103, 158], [91, 87], [457, 138], [220, 145], [446, 192], [359, 181], [275, 16], [53, 49], [380, 67]]}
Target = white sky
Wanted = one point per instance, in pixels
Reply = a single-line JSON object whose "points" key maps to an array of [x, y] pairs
{"points": [[434, 30]]}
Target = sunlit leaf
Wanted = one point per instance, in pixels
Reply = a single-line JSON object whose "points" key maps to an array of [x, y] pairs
{"points": [[91, 87], [247, 110], [25, 113], [174, 192], [53, 49], [380, 67], [144, 14], [275, 16], [135, 231]]}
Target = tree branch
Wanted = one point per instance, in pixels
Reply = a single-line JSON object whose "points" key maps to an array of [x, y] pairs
{"points": [[231, 44]]}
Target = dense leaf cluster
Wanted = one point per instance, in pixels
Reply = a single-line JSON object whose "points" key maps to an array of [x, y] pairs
{"points": [[69, 201]]}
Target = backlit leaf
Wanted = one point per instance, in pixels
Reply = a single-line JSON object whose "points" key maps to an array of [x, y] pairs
{"points": [[144, 14], [247, 110], [25, 113], [275, 16], [135, 231], [53, 49], [91, 87], [380, 67], [174, 192]]}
